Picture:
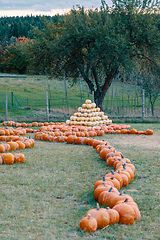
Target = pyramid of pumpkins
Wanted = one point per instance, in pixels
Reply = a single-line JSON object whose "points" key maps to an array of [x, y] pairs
{"points": [[89, 115]]}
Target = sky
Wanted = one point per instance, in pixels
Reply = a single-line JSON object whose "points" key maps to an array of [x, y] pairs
{"points": [[43, 7]]}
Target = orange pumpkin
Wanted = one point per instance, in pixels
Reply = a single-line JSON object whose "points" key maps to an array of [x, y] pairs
{"points": [[101, 215], [19, 157], [8, 158], [88, 224]]}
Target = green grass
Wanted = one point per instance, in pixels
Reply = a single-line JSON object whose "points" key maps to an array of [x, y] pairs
{"points": [[46, 196], [34, 88]]}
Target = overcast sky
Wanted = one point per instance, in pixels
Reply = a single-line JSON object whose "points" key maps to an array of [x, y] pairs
{"points": [[46, 7]]}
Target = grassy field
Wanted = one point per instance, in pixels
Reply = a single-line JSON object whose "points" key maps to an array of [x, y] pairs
{"points": [[29, 100], [45, 197]]}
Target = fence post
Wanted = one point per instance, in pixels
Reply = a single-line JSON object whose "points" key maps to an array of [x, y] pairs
{"points": [[47, 112], [80, 88], [6, 116], [143, 103], [93, 96], [12, 98], [65, 85], [49, 105]]}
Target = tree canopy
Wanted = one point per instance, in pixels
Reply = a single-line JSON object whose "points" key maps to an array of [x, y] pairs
{"points": [[97, 44]]}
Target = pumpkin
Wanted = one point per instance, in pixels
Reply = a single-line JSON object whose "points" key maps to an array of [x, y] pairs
{"points": [[111, 160], [114, 153], [90, 141], [124, 172], [101, 188], [88, 101], [101, 215], [19, 157], [88, 224], [2, 132], [1, 160], [103, 181], [124, 131], [112, 200], [132, 131], [13, 145], [27, 143], [128, 169], [115, 175], [104, 196], [104, 152], [2, 148], [71, 139], [7, 147], [134, 206], [126, 213], [113, 216], [8, 158], [149, 132], [114, 181]]}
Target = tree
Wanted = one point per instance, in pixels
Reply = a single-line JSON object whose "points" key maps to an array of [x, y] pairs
{"points": [[14, 59], [150, 82], [97, 43]]}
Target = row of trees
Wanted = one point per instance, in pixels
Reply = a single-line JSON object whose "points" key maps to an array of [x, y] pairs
{"points": [[94, 44], [14, 27]]}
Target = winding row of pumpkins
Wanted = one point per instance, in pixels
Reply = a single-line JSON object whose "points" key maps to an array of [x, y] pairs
{"points": [[89, 115], [116, 207], [121, 207]]}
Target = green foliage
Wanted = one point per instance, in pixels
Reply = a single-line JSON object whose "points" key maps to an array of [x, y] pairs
{"points": [[21, 26], [14, 59], [97, 44]]}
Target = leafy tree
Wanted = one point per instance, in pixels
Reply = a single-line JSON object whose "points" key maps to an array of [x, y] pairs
{"points": [[97, 43], [149, 79], [14, 59]]}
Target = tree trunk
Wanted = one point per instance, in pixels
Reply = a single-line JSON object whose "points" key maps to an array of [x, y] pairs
{"points": [[100, 94]]}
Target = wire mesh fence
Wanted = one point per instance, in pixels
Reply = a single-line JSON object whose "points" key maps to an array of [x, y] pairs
{"points": [[122, 101]]}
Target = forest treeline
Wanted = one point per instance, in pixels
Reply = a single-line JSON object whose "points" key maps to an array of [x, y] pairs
{"points": [[14, 27]]}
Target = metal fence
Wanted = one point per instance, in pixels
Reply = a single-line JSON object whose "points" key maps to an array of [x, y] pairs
{"points": [[129, 102]]}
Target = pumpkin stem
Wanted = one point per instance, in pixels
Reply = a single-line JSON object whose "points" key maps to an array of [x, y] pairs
{"points": [[89, 216], [126, 200], [98, 206], [112, 171], [110, 190], [104, 179], [124, 166]]}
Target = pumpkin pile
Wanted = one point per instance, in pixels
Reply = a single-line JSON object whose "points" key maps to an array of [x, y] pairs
{"points": [[13, 140], [89, 115], [13, 143]]}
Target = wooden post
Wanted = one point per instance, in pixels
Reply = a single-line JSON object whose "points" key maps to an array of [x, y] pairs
{"points": [[65, 85], [143, 103], [6, 116], [80, 89], [49, 105], [93, 96], [12, 98], [47, 112]]}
